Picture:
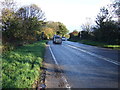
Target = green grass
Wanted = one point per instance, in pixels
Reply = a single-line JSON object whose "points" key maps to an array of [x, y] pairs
{"points": [[94, 43], [99, 44], [21, 67], [113, 46]]}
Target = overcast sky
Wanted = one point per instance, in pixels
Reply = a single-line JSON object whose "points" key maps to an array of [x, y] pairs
{"points": [[72, 13]]}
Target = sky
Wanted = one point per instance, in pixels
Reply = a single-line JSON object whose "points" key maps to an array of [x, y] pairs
{"points": [[72, 13]]}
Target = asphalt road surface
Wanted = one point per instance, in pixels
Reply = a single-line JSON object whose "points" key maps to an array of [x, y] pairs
{"points": [[75, 65]]}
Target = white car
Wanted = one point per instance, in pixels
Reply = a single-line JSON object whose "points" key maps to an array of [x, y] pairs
{"points": [[64, 39]]}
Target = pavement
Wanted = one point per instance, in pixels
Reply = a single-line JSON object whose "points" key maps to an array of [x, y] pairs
{"points": [[74, 65]]}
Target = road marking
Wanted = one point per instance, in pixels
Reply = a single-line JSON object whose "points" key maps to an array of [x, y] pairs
{"points": [[53, 55], [98, 56], [67, 85]]}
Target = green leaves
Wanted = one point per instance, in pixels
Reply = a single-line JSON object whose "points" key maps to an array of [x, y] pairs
{"points": [[53, 28], [19, 26], [62, 29], [21, 67]]}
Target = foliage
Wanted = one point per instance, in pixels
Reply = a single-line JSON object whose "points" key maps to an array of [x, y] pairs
{"points": [[62, 29], [85, 35], [106, 30], [21, 67], [109, 33], [20, 26], [102, 17], [48, 32], [26, 25], [53, 25], [55, 28], [74, 33], [116, 5], [67, 36], [95, 43]]}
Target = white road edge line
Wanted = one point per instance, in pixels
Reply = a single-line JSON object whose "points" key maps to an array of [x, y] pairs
{"points": [[98, 56], [67, 85]]}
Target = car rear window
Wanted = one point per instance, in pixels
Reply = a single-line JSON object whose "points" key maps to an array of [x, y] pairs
{"points": [[57, 37]]}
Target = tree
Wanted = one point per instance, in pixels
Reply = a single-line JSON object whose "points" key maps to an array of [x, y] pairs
{"points": [[9, 23], [31, 11], [106, 29], [37, 12], [9, 4], [33, 19], [62, 29], [87, 26], [67, 36], [84, 35], [48, 32], [74, 34], [53, 25], [58, 27], [116, 5], [102, 17], [19, 26]]}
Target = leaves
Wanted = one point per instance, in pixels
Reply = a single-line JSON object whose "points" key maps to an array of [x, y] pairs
{"points": [[21, 67], [19, 26]]}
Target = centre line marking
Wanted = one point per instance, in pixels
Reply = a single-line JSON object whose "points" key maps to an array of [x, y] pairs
{"points": [[98, 56]]}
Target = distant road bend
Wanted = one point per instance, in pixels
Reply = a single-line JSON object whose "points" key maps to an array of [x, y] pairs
{"points": [[75, 65]]}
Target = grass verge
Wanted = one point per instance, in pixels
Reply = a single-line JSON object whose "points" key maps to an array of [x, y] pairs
{"points": [[21, 67], [99, 44]]}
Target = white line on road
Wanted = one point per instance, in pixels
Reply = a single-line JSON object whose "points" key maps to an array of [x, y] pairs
{"points": [[53, 56], [98, 56], [67, 85]]}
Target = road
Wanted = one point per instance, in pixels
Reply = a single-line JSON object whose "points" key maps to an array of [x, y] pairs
{"points": [[75, 65]]}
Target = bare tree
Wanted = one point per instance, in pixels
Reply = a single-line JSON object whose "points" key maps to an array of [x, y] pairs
{"points": [[8, 4], [36, 11], [31, 12], [87, 26], [116, 5]]}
